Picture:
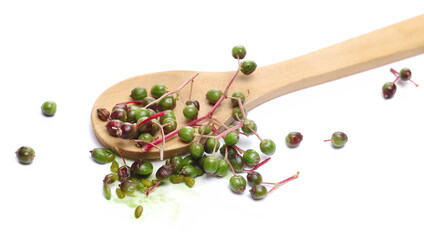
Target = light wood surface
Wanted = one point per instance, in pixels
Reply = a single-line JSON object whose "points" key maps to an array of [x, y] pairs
{"points": [[386, 45]]}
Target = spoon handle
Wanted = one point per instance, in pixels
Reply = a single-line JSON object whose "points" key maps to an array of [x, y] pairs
{"points": [[389, 44]]}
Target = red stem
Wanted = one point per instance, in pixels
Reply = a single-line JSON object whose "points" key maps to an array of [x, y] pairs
{"points": [[394, 72], [135, 101], [258, 165], [278, 184], [159, 114], [150, 189]]}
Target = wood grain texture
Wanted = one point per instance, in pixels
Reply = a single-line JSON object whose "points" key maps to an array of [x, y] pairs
{"points": [[395, 42]]}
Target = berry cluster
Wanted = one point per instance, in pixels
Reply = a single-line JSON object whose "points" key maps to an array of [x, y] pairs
{"points": [[149, 120]]}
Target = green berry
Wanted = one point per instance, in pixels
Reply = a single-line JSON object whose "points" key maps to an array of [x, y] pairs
{"points": [[141, 113], [237, 113], [239, 95], [168, 114], [237, 162], [223, 168], [158, 90], [267, 146], [238, 52], [205, 129], [210, 164], [138, 93], [169, 125], [168, 102], [251, 157], [248, 126], [128, 187], [254, 178], [25, 154], [102, 155], [49, 108], [145, 127], [211, 145], [190, 112], [194, 103], [231, 138], [141, 168], [186, 134], [196, 150], [238, 184], [258, 192], [145, 138], [213, 95], [189, 171], [248, 67], [176, 163], [338, 139]]}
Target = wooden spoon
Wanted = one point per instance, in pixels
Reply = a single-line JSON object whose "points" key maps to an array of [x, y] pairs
{"points": [[377, 48]]}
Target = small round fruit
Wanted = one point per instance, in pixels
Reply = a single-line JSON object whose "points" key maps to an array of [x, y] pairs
{"points": [[190, 112], [167, 102], [141, 168], [237, 162], [211, 145], [211, 164], [49, 108], [25, 154], [231, 138], [339, 139], [102, 155], [248, 126], [169, 125], [205, 129], [223, 168], [405, 74], [213, 95], [251, 157], [258, 192], [293, 139], [158, 90], [389, 90], [254, 178], [138, 93], [186, 134], [196, 150], [235, 95], [248, 67], [238, 184], [193, 102], [145, 138], [238, 52], [267, 146]]}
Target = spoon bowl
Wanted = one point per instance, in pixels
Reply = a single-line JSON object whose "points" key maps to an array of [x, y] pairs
{"points": [[389, 44]]}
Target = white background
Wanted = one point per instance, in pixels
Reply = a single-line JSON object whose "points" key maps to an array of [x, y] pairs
{"points": [[71, 51]]}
